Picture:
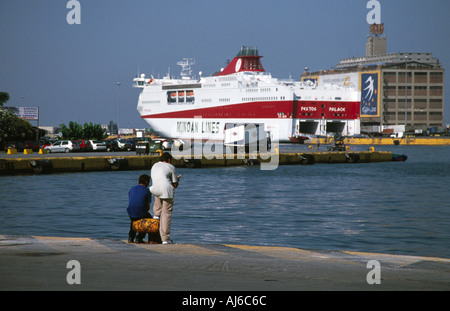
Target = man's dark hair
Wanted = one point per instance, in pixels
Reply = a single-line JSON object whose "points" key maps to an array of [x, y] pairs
{"points": [[144, 178], [165, 157]]}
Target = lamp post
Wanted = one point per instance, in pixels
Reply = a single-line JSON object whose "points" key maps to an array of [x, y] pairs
{"points": [[406, 89], [118, 109], [307, 71]]}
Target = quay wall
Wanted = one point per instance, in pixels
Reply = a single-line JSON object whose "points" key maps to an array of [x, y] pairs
{"points": [[12, 166], [410, 141]]}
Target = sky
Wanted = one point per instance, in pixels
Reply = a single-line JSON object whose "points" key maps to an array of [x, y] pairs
{"points": [[71, 70]]}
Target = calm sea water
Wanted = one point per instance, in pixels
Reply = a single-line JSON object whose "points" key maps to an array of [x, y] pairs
{"points": [[391, 207]]}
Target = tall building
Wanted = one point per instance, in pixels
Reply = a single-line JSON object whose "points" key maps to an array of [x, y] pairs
{"points": [[376, 45], [388, 99]]}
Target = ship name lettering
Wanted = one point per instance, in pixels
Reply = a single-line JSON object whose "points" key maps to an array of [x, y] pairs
{"points": [[211, 127], [308, 108], [337, 109]]}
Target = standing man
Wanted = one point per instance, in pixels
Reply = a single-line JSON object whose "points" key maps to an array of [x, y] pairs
{"points": [[139, 199], [164, 182]]}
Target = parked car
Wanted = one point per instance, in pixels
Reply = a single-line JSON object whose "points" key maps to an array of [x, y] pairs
{"points": [[44, 143], [85, 145], [63, 146], [108, 144], [112, 145], [98, 145], [132, 144], [18, 145], [166, 143], [33, 145], [123, 144]]}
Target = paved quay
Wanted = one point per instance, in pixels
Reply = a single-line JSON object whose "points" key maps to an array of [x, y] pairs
{"points": [[31, 263]]}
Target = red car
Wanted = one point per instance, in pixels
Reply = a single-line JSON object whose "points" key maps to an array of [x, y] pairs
{"points": [[33, 145], [85, 145]]}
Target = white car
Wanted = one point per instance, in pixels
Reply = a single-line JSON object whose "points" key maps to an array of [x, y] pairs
{"points": [[166, 143], [98, 145], [62, 146]]}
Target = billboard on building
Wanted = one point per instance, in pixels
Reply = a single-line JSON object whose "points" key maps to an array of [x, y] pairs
{"points": [[313, 79], [369, 82], [350, 79], [27, 113]]}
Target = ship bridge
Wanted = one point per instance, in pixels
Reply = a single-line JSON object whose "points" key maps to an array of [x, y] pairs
{"points": [[140, 81]]}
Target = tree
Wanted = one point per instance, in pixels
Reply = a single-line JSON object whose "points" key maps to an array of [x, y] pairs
{"points": [[4, 97], [87, 131], [14, 128], [74, 131], [99, 132]]}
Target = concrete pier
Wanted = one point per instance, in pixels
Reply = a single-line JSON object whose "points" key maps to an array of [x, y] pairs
{"points": [[376, 141], [78, 163], [50, 263]]}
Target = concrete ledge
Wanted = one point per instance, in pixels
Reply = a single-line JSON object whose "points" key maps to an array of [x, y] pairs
{"points": [[109, 163], [414, 141], [41, 263]]}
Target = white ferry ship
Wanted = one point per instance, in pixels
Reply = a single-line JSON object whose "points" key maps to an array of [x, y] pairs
{"points": [[186, 108]]}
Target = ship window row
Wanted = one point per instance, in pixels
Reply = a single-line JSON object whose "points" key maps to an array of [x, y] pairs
{"points": [[224, 100], [180, 97], [251, 99], [417, 73], [265, 89], [416, 87], [227, 79]]}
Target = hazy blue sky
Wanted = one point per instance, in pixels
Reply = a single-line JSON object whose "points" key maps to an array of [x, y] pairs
{"points": [[71, 71]]}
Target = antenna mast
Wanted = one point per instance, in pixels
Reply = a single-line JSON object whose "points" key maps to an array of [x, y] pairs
{"points": [[186, 69]]}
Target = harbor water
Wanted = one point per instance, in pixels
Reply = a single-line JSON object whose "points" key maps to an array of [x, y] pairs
{"points": [[387, 207]]}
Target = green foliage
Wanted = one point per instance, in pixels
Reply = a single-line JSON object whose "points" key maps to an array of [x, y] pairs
{"points": [[4, 97], [14, 128], [87, 131], [11, 126]]}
